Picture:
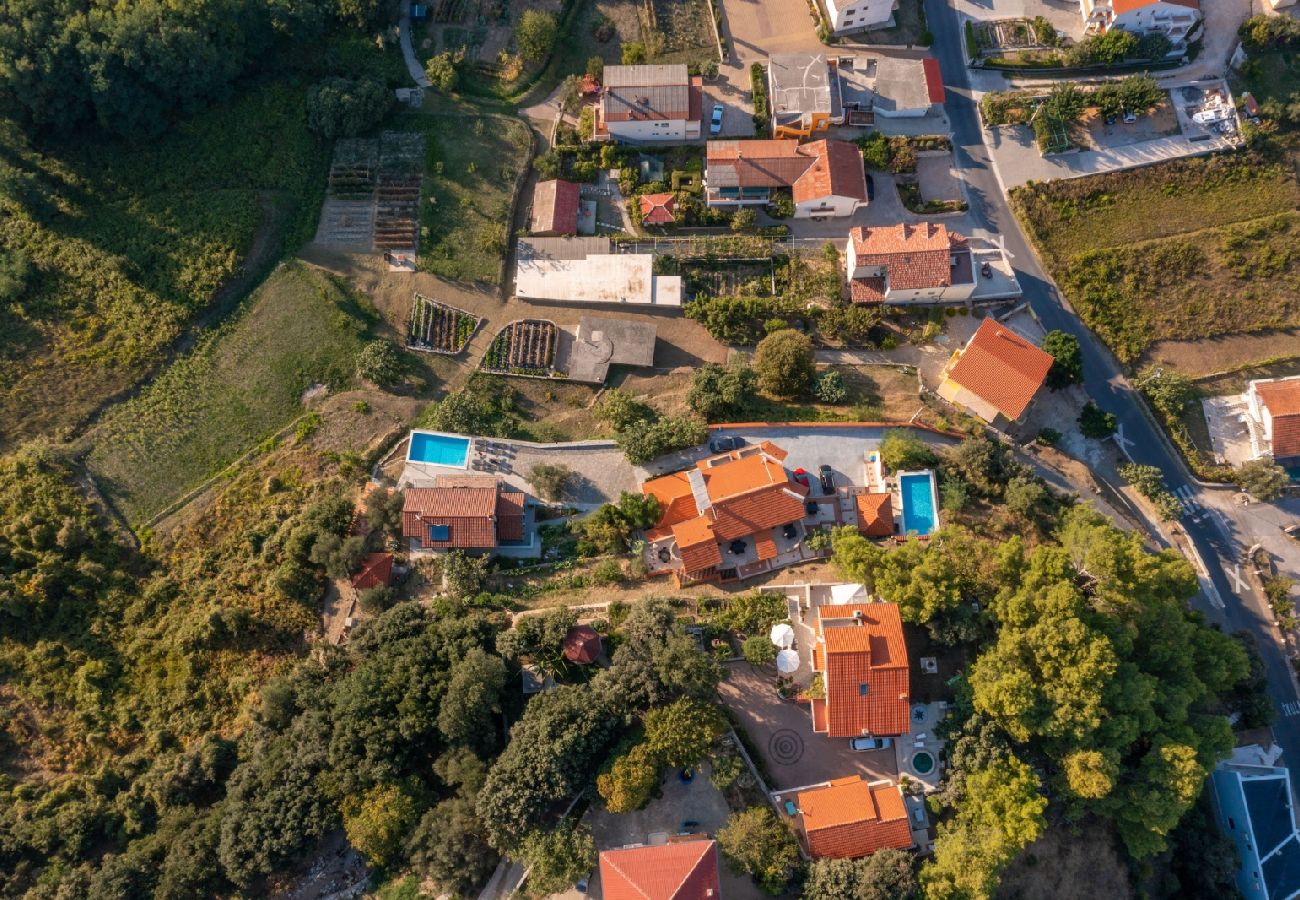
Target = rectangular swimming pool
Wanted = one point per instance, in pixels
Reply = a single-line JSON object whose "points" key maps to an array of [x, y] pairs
{"points": [[920, 515], [438, 449]]}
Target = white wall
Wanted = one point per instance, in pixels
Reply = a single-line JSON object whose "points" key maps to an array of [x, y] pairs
{"points": [[827, 206], [651, 130], [952, 292], [854, 15]]}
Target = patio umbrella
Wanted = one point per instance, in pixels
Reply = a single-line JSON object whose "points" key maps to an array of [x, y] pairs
{"points": [[787, 661], [782, 635]]}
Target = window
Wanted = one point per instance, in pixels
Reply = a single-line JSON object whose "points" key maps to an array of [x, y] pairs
{"points": [[862, 689], [1231, 824], [439, 532]]}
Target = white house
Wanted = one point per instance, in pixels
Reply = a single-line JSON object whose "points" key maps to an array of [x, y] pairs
{"points": [[826, 178], [908, 263], [649, 103], [859, 15], [1274, 408], [1175, 19]]}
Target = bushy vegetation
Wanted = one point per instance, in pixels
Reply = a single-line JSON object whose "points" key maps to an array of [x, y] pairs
{"points": [[644, 434], [347, 107]]}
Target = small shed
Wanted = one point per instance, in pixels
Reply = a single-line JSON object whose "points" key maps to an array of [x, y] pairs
{"points": [[582, 645], [376, 571]]}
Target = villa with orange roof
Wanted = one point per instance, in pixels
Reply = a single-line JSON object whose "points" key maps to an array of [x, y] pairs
{"points": [[849, 818], [861, 658], [997, 375], [907, 263], [1175, 19], [682, 869], [1273, 407], [826, 178], [731, 517]]}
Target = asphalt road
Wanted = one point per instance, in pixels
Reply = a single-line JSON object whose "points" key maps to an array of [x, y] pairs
{"points": [[1214, 533]]}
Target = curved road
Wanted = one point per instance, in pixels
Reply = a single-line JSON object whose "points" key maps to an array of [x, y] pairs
{"points": [[1214, 532]]}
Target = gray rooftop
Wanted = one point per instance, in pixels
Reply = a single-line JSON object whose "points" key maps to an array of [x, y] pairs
{"points": [[801, 83], [601, 343], [900, 85], [561, 247], [645, 76]]}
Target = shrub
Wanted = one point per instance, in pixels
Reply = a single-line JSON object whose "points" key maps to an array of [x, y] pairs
{"points": [[901, 449], [1048, 437], [1096, 423], [755, 843], [596, 67], [1067, 360], [15, 274], [376, 600], [535, 35], [720, 393], [758, 86], [633, 53], [744, 220], [1262, 479], [443, 69], [830, 388], [875, 151], [758, 650], [630, 780], [346, 107], [781, 206], [379, 362], [1170, 392], [784, 363], [550, 480]]}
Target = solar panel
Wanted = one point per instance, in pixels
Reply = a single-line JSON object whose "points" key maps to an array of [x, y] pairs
{"points": [[439, 532]]}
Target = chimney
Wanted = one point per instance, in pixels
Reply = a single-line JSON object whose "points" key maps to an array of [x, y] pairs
{"points": [[857, 616]]}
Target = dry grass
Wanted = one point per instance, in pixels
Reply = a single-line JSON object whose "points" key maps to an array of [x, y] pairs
{"points": [[1068, 864]]}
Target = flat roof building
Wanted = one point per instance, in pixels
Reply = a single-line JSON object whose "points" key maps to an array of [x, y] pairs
{"points": [[584, 270]]}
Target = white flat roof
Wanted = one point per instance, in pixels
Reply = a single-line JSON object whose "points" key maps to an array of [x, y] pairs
{"points": [[613, 278]]}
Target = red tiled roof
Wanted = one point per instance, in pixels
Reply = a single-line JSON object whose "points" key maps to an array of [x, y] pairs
{"points": [[740, 516], [468, 512], [510, 516], [933, 79], [555, 207], [850, 818], [913, 256], [1124, 6], [376, 571], [875, 515], [657, 209], [1282, 400], [582, 644], [837, 171], [867, 290], [867, 650], [765, 545], [682, 870], [1002, 368], [590, 85]]}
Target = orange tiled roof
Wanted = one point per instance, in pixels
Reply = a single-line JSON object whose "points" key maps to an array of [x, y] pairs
{"points": [[657, 209], [582, 644], [697, 544], [1282, 400], [468, 512], [676, 502], [1002, 368], [682, 870], [850, 818], [914, 256], [837, 171], [933, 79], [737, 517], [867, 650], [765, 546], [510, 516], [875, 515], [867, 290], [376, 571]]}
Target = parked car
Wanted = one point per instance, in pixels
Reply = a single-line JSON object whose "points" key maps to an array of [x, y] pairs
{"points": [[724, 444], [715, 123], [1292, 531], [827, 477], [870, 743], [986, 270], [800, 476], [1130, 117], [871, 188]]}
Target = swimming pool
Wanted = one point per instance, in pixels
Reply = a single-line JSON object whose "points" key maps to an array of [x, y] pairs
{"points": [[438, 449], [920, 515]]}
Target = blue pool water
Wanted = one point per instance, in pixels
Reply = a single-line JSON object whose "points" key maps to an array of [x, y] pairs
{"points": [[918, 503], [438, 449]]}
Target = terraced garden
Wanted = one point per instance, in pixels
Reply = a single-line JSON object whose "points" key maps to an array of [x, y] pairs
{"points": [[438, 328], [525, 347]]}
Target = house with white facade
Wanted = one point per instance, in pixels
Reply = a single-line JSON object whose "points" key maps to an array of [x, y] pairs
{"points": [[825, 178], [859, 15], [649, 103], [1175, 19], [1273, 408], [906, 263]]}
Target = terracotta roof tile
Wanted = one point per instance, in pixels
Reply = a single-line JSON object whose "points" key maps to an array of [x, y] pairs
{"points": [[765, 546], [376, 571], [850, 818], [868, 652], [555, 207], [1282, 400], [510, 516], [913, 256], [933, 79], [1002, 368], [658, 209], [867, 290], [875, 514], [582, 644], [747, 514], [467, 512], [836, 172], [683, 870]]}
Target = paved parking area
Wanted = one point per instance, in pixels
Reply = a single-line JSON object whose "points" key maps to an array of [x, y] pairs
{"points": [[1226, 419], [1063, 14], [937, 178], [782, 730]]}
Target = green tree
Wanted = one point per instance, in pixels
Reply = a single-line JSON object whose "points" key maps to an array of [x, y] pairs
{"points": [[783, 362], [649, 440], [443, 69], [550, 480], [596, 67], [1170, 392], [630, 781], [1067, 360], [744, 220], [1262, 479], [754, 843], [557, 858], [679, 735], [854, 556], [884, 875], [379, 361], [758, 650], [535, 35], [1024, 496], [464, 575], [447, 847], [345, 107], [1001, 814], [1090, 773], [639, 510], [377, 822], [721, 393], [1095, 422], [901, 449], [632, 53], [472, 703]]}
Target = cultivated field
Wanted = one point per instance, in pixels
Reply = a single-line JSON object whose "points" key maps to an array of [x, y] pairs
{"points": [[243, 382], [1181, 251]]}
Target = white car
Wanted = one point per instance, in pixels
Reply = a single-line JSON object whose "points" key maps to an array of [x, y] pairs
{"points": [[715, 123], [870, 743], [1130, 117]]}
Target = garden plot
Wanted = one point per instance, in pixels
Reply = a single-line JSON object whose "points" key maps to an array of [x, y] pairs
{"points": [[732, 278], [373, 198], [685, 27], [435, 327], [397, 191], [525, 347]]}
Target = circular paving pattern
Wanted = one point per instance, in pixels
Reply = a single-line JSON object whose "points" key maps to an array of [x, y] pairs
{"points": [[785, 747]]}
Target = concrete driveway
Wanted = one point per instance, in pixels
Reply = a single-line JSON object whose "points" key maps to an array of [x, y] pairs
{"points": [[782, 731]]}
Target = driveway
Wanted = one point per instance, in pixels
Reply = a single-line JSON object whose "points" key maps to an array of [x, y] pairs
{"points": [[782, 732]]}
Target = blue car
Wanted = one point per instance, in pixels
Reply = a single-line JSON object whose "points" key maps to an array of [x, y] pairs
{"points": [[715, 124]]}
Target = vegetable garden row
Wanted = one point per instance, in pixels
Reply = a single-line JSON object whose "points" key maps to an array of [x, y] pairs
{"points": [[434, 327], [526, 347]]}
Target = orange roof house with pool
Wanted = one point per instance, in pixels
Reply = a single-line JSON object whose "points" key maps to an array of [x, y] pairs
{"points": [[861, 657]]}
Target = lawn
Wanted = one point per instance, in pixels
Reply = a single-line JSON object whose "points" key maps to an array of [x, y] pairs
{"points": [[131, 242], [688, 36], [1272, 75], [241, 383], [1180, 251], [471, 166]]}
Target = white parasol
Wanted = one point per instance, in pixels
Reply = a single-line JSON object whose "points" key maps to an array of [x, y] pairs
{"points": [[782, 635], [787, 661]]}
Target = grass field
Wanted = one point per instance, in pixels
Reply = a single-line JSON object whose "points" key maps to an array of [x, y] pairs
{"points": [[1180, 251], [472, 163], [241, 383]]}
